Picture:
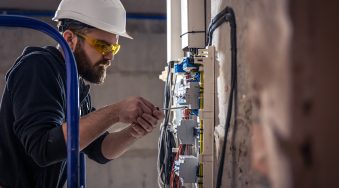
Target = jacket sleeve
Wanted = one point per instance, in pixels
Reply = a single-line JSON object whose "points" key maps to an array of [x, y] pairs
{"points": [[38, 98], [94, 151]]}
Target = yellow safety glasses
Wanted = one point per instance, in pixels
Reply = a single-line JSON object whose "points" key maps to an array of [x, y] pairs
{"points": [[101, 46]]}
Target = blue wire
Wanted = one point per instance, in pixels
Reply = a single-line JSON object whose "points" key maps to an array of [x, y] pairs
{"points": [[72, 91]]}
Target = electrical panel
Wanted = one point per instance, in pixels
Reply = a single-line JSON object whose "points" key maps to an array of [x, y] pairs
{"points": [[186, 143], [191, 112]]}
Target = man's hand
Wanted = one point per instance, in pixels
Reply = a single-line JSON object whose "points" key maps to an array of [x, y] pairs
{"points": [[140, 111], [132, 108], [142, 115], [145, 124]]}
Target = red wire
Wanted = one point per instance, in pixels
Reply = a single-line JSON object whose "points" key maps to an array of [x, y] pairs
{"points": [[172, 172]]}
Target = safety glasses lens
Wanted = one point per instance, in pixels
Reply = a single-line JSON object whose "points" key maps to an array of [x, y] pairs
{"points": [[100, 46]]}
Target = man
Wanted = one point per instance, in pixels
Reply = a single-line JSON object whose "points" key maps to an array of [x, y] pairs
{"points": [[33, 108]]}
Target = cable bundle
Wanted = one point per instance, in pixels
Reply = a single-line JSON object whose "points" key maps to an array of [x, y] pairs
{"points": [[166, 140]]}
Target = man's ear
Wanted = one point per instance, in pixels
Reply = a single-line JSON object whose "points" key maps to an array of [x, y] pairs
{"points": [[70, 38]]}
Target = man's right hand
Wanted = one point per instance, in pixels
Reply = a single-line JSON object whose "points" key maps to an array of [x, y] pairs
{"points": [[145, 124], [133, 108]]}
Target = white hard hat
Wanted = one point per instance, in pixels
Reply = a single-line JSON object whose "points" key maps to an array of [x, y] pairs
{"points": [[107, 15]]}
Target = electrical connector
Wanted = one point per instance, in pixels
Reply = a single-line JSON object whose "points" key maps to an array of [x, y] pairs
{"points": [[187, 168], [188, 65], [188, 95], [185, 131]]}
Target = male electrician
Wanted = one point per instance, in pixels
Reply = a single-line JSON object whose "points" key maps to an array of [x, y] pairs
{"points": [[33, 132]]}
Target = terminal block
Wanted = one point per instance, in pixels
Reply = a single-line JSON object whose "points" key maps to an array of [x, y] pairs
{"points": [[187, 168], [185, 131], [188, 94]]}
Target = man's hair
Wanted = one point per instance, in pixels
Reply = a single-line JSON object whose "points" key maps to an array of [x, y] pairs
{"points": [[73, 25]]}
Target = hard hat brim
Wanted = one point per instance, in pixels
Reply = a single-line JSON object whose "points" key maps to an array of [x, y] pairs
{"points": [[126, 35], [88, 20]]}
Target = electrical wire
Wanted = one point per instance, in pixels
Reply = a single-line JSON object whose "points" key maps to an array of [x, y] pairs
{"points": [[162, 139], [166, 140], [174, 180], [226, 15]]}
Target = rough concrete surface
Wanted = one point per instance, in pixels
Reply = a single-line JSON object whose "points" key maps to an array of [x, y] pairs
{"points": [[292, 47], [237, 169]]}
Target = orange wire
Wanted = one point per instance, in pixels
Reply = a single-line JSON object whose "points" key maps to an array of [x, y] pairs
{"points": [[172, 172]]}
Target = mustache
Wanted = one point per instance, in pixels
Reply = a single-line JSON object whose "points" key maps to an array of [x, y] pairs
{"points": [[104, 62]]}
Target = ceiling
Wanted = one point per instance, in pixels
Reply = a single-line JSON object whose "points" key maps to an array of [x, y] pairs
{"points": [[132, 6]]}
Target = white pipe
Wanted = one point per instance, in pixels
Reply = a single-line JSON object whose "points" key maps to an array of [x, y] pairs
{"points": [[174, 51]]}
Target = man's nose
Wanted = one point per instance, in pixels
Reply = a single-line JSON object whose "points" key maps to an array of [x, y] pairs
{"points": [[109, 56]]}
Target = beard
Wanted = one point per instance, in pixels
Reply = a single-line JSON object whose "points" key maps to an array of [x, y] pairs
{"points": [[92, 73]]}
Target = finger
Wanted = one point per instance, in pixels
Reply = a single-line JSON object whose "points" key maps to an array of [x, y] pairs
{"points": [[150, 119], [138, 114], [149, 104], [158, 114], [138, 130], [136, 133], [145, 125], [145, 108]]}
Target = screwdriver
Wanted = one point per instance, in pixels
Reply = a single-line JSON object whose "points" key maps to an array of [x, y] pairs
{"points": [[174, 108]]}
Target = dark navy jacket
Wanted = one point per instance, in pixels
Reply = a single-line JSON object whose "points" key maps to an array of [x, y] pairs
{"points": [[33, 108]]}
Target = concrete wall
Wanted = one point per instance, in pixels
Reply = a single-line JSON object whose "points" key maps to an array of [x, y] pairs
{"points": [[134, 73], [268, 43], [291, 51], [314, 68], [286, 127], [13, 41], [237, 169]]}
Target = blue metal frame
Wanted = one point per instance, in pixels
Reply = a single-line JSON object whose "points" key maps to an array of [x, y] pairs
{"points": [[72, 92]]}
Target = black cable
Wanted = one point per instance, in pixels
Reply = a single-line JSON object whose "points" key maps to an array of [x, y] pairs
{"points": [[220, 18], [227, 15], [192, 32], [166, 139]]}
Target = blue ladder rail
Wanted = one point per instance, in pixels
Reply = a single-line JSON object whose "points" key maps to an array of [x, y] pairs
{"points": [[72, 92]]}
